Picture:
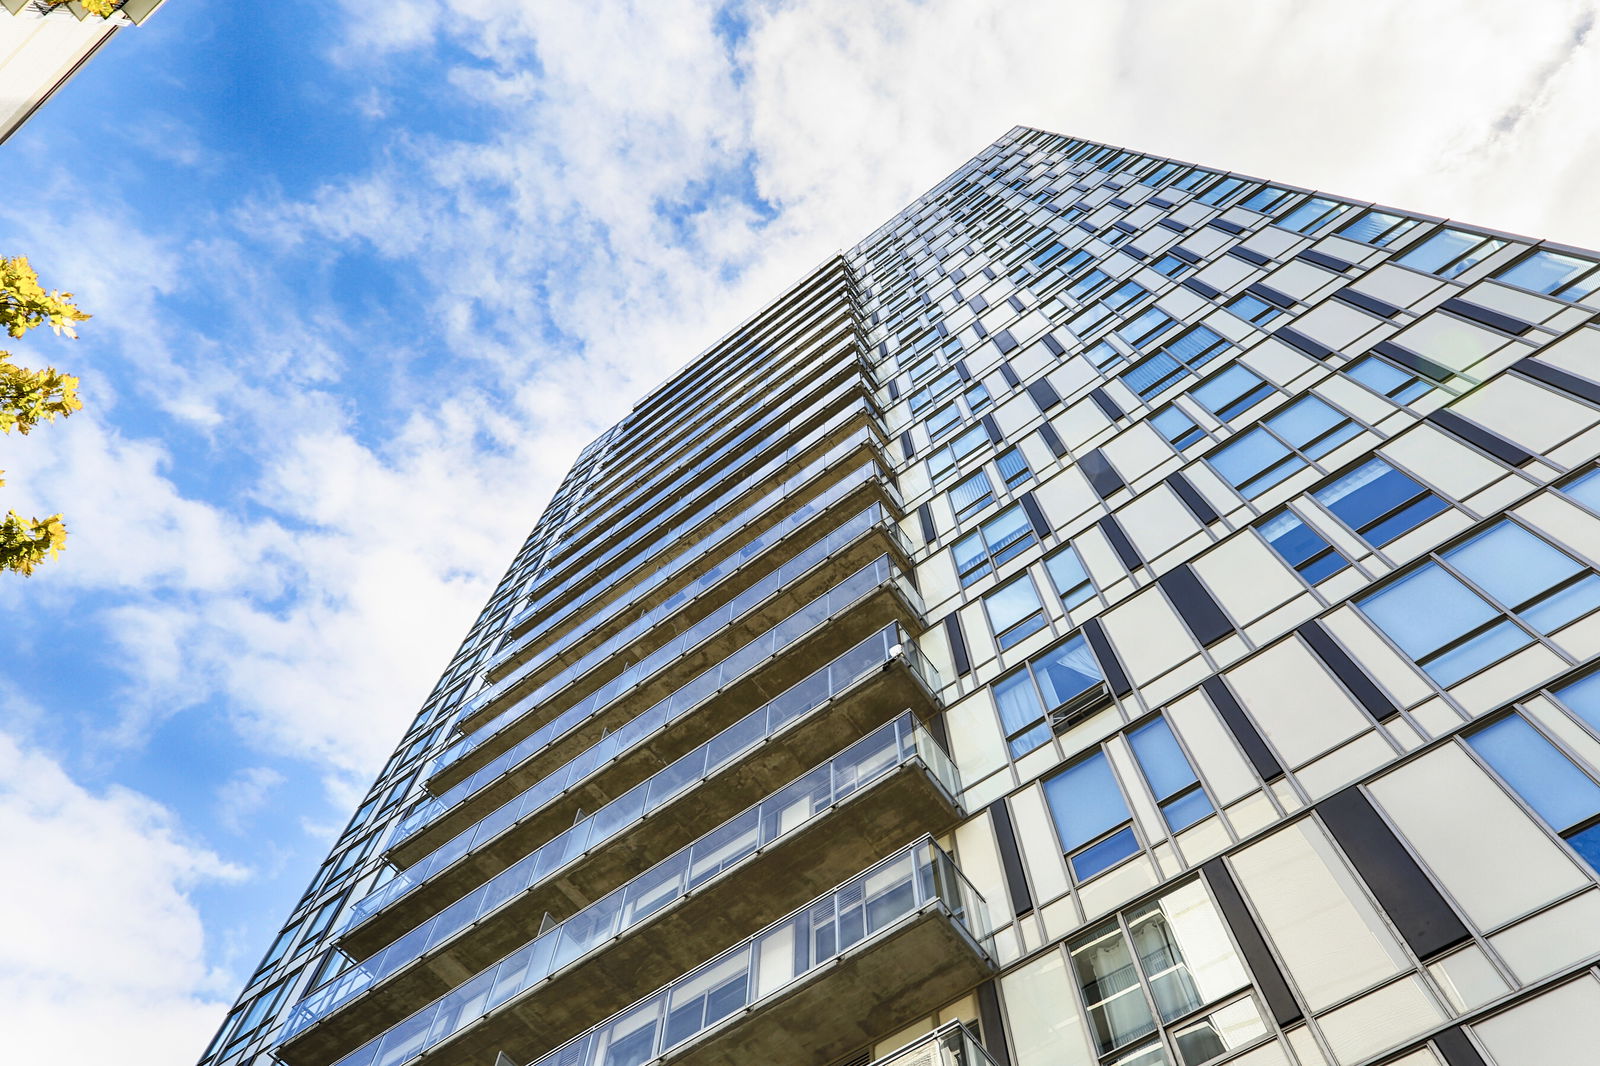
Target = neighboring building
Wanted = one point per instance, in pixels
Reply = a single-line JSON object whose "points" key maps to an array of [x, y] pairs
{"points": [[1121, 612], [44, 44]]}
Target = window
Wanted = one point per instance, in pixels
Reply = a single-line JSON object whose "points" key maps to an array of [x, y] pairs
{"points": [[994, 543], [977, 397], [1193, 178], [279, 947], [1452, 628], [1159, 174], [1119, 299], [1046, 683], [1102, 354], [1221, 191], [1310, 216], [320, 922], [1231, 391], [1087, 285], [943, 421], [1114, 235], [1401, 386], [1253, 309], [1450, 252], [1177, 360], [1586, 490], [1068, 575], [1265, 199], [1302, 547], [1145, 327], [1564, 796], [943, 463], [1091, 817], [1178, 428], [1284, 443], [940, 385], [1170, 266], [971, 494], [1378, 228], [1563, 276], [1134, 974], [1014, 611], [260, 1010], [1378, 502], [1172, 780], [1013, 468]]}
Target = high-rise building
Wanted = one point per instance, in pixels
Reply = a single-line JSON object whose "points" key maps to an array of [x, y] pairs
{"points": [[43, 43], [1120, 612]]}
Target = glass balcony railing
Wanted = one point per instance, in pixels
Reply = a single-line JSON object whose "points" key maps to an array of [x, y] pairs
{"points": [[811, 692], [652, 492], [790, 808], [845, 533], [951, 1044], [808, 618], [843, 487], [668, 536], [863, 909]]}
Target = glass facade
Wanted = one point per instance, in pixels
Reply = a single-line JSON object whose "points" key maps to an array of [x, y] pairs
{"points": [[1120, 613]]}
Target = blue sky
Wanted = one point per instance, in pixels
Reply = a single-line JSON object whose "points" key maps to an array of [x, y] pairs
{"points": [[365, 278]]}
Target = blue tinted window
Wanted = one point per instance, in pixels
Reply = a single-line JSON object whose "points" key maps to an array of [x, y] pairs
{"points": [[1450, 252], [1401, 386], [1221, 191], [1378, 228], [1302, 547], [1452, 630], [1265, 199], [1254, 462], [1048, 681], [1586, 490], [1178, 428], [1583, 697], [1231, 391], [1254, 309], [1310, 216], [1021, 714], [1014, 611], [1257, 460], [1172, 779], [1090, 815], [994, 543], [1379, 502], [1013, 467], [1145, 327], [1169, 266], [1177, 360], [1069, 577], [1564, 276], [971, 494], [1560, 793]]}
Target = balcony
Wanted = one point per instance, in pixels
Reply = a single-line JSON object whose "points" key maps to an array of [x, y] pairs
{"points": [[794, 572], [673, 481], [951, 1044], [887, 946], [560, 602], [862, 602], [882, 792], [845, 699]]}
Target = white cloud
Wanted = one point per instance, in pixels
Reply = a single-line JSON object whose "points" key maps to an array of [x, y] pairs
{"points": [[104, 956], [592, 230], [245, 793]]}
